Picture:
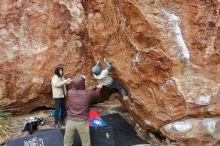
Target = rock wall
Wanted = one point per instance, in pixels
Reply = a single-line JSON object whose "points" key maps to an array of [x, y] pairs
{"points": [[165, 53], [36, 36]]}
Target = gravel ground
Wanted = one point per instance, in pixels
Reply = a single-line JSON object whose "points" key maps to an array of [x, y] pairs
{"points": [[108, 107]]}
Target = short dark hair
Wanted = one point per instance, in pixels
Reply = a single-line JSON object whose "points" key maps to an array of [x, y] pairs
{"points": [[57, 71]]}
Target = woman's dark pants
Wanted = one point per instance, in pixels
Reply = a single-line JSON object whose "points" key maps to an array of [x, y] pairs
{"points": [[60, 109]]}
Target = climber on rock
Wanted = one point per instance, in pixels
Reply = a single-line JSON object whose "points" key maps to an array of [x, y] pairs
{"points": [[103, 78]]}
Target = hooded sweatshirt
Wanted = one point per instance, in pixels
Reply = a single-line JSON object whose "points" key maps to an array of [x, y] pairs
{"points": [[80, 99]]}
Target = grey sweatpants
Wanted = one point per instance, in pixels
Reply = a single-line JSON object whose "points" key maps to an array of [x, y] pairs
{"points": [[116, 86]]}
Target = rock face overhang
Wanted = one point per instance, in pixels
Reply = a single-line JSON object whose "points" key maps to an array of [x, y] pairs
{"points": [[165, 53]]}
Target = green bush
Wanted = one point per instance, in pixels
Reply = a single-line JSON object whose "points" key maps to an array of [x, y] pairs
{"points": [[4, 119]]}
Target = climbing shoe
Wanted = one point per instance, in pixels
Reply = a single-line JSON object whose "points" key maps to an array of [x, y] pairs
{"points": [[63, 123]]}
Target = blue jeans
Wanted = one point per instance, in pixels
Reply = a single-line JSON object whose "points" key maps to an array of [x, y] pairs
{"points": [[60, 107]]}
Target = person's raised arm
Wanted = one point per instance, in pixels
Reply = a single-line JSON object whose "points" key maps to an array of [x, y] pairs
{"points": [[58, 83], [97, 63], [108, 66], [96, 93]]}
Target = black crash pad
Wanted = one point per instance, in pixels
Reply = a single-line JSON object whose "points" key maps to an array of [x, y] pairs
{"points": [[118, 133]]}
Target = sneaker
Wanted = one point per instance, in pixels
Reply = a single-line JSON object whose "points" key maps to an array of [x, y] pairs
{"points": [[63, 123], [56, 126]]}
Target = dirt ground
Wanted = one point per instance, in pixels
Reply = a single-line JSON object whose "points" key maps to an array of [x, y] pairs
{"points": [[108, 107]]}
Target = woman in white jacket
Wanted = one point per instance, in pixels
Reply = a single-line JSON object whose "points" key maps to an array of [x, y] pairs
{"points": [[59, 95]]}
